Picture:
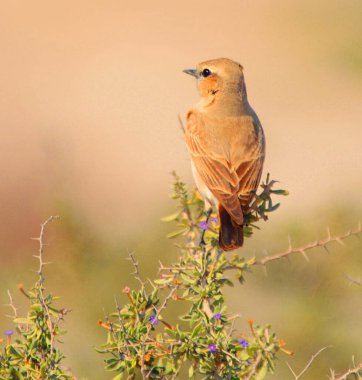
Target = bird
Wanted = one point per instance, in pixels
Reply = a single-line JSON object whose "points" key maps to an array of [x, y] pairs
{"points": [[226, 143]]}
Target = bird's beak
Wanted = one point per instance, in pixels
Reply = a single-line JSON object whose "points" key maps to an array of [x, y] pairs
{"points": [[192, 72]]}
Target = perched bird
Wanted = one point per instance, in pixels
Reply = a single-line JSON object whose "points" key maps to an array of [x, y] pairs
{"points": [[227, 146]]}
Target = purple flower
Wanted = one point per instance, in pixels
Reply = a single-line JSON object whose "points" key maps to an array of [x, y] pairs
{"points": [[212, 348], [8, 333], [204, 226], [217, 316], [154, 320], [244, 343], [215, 220]]}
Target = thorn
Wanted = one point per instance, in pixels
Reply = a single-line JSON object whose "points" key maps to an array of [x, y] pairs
{"points": [[326, 248], [328, 233], [181, 123], [290, 243], [265, 270], [340, 241], [305, 255]]}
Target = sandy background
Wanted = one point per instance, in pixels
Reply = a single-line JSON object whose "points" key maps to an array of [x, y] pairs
{"points": [[89, 97]]}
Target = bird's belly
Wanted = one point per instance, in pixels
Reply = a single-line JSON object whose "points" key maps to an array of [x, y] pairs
{"points": [[209, 198]]}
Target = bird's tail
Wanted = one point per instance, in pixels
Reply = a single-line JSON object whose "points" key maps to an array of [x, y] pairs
{"points": [[231, 235]]}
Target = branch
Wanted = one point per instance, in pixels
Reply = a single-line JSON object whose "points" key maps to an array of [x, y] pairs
{"points": [[303, 249], [11, 304], [355, 371], [305, 369], [40, 239], [136, 272]]}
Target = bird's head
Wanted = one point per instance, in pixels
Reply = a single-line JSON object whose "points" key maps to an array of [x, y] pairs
{"points": [[220, 75]]}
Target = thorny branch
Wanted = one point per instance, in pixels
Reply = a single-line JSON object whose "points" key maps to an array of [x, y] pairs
{"points": [[200, 274], [323, 243], [40, 239], [136, 272], [344, 376]]}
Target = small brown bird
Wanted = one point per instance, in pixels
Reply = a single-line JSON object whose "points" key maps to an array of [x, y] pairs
{"points": [[227, 145]]}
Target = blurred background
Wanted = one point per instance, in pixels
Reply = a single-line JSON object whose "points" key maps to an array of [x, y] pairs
{"points": [[89, 97]]}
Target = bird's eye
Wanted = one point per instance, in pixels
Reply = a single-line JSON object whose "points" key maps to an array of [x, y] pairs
{"points": [[205, 73]]}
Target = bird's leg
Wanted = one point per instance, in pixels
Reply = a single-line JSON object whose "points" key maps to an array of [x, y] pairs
{"points": [[208, 214]]}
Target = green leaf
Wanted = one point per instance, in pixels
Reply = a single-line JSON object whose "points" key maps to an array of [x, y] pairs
{"points": [[263, 371], [36, 307], [118, 377], [274, 207], [176, 233], [196, 330], [24, 321], [170, 218], [280, 192], [191, 372]]}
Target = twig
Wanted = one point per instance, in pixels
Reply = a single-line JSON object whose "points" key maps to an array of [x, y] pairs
{"points": [[136, 272], [355, 371], [181, 123], [302, 250], [11, 304], [305, 369], [41, 281]]}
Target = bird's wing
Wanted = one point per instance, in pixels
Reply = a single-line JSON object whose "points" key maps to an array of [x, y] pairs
{"points": [[249, 174], [229, 167]]}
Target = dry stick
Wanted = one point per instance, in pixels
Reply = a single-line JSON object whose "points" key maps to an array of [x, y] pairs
{"points": [[136, 272], [305, 369], [355, 371], [40, 239], [11, 304], [302, 250]]}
